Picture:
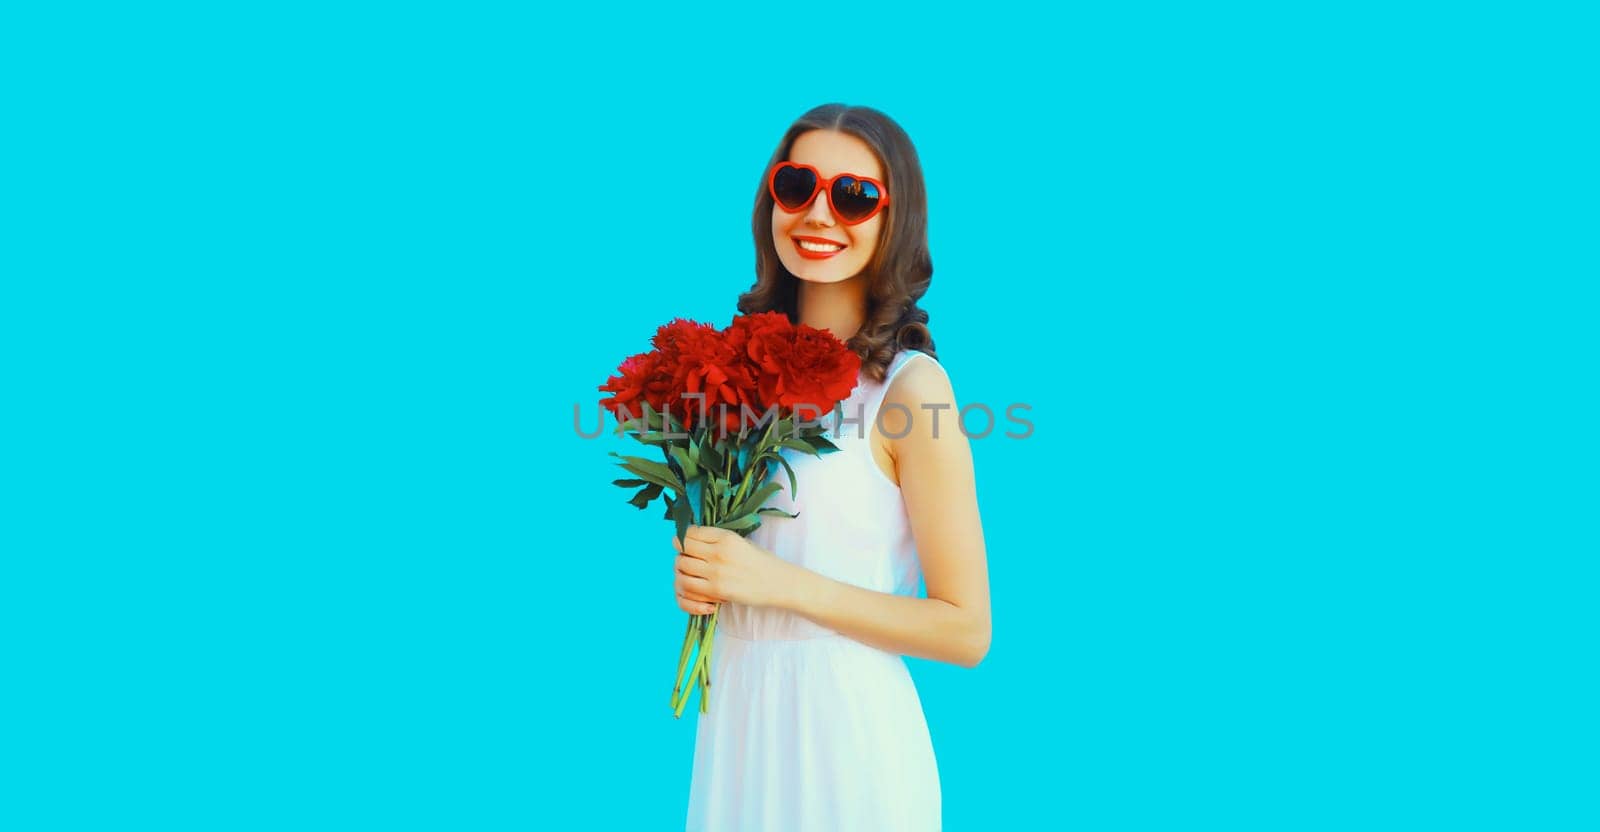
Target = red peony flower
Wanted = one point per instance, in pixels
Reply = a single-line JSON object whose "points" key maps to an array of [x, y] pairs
{"points": [[746, 328], [759, 361], [669, 336], [798, 365], [641, 379], [701, 361]]}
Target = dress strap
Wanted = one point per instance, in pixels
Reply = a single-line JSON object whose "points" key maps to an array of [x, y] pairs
{"points": [[901, 359]]}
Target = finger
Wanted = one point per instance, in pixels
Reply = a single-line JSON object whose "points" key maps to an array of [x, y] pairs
{"points": [[682, 591], [693, 549], [705, 534], [690, 565], [695, 546], [696, 607], [688, 595], [701, 598], [695, 583]]}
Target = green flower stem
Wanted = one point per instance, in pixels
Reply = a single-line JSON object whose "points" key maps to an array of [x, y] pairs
{"points": [[688, 686], [685, 686], [745, 483], [703, 628], [699, 677], [683, 662], [705, 675]]}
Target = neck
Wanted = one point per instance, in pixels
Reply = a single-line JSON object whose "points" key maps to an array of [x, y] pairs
{"points": [[840, 308]]}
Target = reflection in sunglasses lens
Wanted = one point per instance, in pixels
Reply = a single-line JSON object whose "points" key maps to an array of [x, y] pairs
{"points": [[853, 198], [794, 187]]}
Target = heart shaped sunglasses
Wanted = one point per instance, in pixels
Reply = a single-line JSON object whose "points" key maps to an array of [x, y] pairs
{"points": [[854, 199]]}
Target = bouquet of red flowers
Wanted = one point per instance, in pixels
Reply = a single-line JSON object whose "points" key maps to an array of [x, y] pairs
{"points": [[720, 404]]}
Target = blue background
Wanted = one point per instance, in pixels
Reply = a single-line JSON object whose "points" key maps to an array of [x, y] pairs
{"points": [[298, 304]]}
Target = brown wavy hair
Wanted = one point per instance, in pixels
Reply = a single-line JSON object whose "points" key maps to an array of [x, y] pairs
{"points": [[900, 270]]}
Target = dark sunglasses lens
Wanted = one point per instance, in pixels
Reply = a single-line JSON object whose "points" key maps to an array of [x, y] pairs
{"points": [[793, 187], [854, 198]]}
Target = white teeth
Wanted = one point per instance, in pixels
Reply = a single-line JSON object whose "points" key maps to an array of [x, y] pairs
{"points": [[810, 246]]}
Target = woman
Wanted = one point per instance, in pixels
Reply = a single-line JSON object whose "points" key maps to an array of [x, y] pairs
{"points": [[813, 721]]}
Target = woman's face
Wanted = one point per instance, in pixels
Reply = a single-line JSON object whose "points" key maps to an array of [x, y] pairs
{"points": [[831, 153]]}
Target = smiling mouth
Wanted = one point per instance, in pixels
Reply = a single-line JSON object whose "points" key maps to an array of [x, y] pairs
{"points": [[815, 250]]}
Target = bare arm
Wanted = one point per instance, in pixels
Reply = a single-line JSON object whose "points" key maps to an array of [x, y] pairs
{"points": [[936, 477]]}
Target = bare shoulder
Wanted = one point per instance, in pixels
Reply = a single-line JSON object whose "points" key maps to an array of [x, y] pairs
{"points": [[922, 381], [919, 406]]}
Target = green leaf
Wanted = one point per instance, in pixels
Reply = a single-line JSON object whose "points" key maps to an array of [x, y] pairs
{"points": [[800, 445], [647, 420], [668, 514], [710, 458], [682, 517], [821, 443], [697, 499], [652, 417], [743, 521], [720, 494], [759, 496], [672, 424], [785, 463], [777, 512], [628, 483], [691, 469], [645, 495], [651, 470]]}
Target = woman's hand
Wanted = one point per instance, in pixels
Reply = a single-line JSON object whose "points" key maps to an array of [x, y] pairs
{"points": [[716, 565]]}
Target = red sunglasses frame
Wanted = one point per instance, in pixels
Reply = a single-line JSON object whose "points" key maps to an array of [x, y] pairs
{"points": [[824, 186]]}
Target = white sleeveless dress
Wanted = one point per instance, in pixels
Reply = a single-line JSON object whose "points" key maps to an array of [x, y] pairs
{"points": [[809, 730]]}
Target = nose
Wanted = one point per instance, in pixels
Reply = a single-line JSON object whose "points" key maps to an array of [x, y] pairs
{"points": [[819, 213]]}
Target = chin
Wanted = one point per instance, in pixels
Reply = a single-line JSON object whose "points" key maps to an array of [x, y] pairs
{"points": [[813, 272], [831, 276]]}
